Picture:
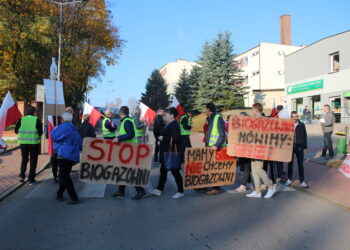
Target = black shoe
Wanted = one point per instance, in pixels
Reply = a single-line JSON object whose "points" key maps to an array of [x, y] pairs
{"points": [[31, 183], [55, 180], [73, 202], [139, 196], [118, 194], [59, 198], [21, 179]]}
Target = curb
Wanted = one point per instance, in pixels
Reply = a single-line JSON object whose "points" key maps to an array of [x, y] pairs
{"points": [[309, 192], [16, 186], [12, 149]]}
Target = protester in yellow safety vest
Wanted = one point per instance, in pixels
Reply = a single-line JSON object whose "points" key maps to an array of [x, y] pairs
{"points": [[140, 125], [108, 126], [127, 134], [29, 130], [216, 134], [185, 129]]}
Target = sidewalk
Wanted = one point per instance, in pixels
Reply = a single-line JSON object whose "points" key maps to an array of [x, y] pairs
{"points": [[323, 181], [9, 168]]}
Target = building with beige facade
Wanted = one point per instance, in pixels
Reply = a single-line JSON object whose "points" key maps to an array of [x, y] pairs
{"points": [[263, 71], [263, 68], [171, 72]]}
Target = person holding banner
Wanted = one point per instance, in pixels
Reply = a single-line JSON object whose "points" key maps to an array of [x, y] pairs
{"points": [[127, 134], [257, 167], [185, 129], [215, 136], [29, 129], [170, 140], [108, 126], [67, 144]]}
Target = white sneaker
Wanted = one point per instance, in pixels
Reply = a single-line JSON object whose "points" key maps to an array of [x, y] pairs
{"points": [[241, 189], [156, 192], [304, 185], [288, 182], [270, 193], [254, 195], [250, 185], [178, 195]]}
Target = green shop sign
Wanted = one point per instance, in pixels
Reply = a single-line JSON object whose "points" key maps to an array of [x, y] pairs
{"points": [[307, 86]]}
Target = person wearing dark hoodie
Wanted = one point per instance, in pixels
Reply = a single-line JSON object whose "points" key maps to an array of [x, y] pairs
{"points": [[67, 144], [86, 129]]}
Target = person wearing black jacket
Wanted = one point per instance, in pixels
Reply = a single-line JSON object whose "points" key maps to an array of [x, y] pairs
{"points": [[127, 134], [170, 140], [157, 129], [215, 135], [86, 129], [300, 144], [29, 129]]}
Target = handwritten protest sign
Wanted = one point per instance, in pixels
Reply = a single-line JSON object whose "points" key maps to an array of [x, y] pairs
{"points": [[205, 167], [261, 138], [122, 163]]}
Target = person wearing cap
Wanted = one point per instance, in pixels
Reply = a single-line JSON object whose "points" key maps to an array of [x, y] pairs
{"points": [[185, 123], [127, 134], [140, 126], [108, 126]]}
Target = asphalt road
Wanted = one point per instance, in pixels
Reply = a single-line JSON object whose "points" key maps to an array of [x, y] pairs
{"points": [[31, 218]]}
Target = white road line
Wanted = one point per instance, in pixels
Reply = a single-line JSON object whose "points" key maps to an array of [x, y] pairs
{"points": [[31, 193], [92, 190]]}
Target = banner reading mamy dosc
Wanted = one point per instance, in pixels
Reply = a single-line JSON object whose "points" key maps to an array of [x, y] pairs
{"points": [[261, 138], [105, 161], [205, 167]]}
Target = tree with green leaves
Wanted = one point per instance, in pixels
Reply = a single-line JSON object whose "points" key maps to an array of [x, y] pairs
{"points": [[28, 41], [155, 95], [219, 78], [182, 90]]}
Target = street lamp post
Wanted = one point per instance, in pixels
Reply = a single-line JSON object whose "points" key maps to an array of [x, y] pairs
{"points": [[60, 4]]}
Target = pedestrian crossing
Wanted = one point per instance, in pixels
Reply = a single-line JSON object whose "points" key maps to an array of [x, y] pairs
{"points": [[47, 189]]}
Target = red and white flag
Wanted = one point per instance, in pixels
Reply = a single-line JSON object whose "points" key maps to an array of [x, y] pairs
{"points": [[50, 127], [95, 115], [147, 113], [9, 113], [274, 109], [178, 107]]}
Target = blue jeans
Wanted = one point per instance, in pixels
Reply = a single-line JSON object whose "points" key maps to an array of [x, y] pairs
{"points": [[327, 144]]}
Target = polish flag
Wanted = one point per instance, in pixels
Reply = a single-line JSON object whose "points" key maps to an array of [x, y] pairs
{"points": [[50, 127], [147, 113], [9, 113], [95, 115], [178, 107], [274, 109]]}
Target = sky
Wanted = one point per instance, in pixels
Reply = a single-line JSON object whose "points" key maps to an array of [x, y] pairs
{"points": [[161, 31]]}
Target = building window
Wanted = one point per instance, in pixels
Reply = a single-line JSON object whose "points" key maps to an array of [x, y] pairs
{"points": [[335, 62]]}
